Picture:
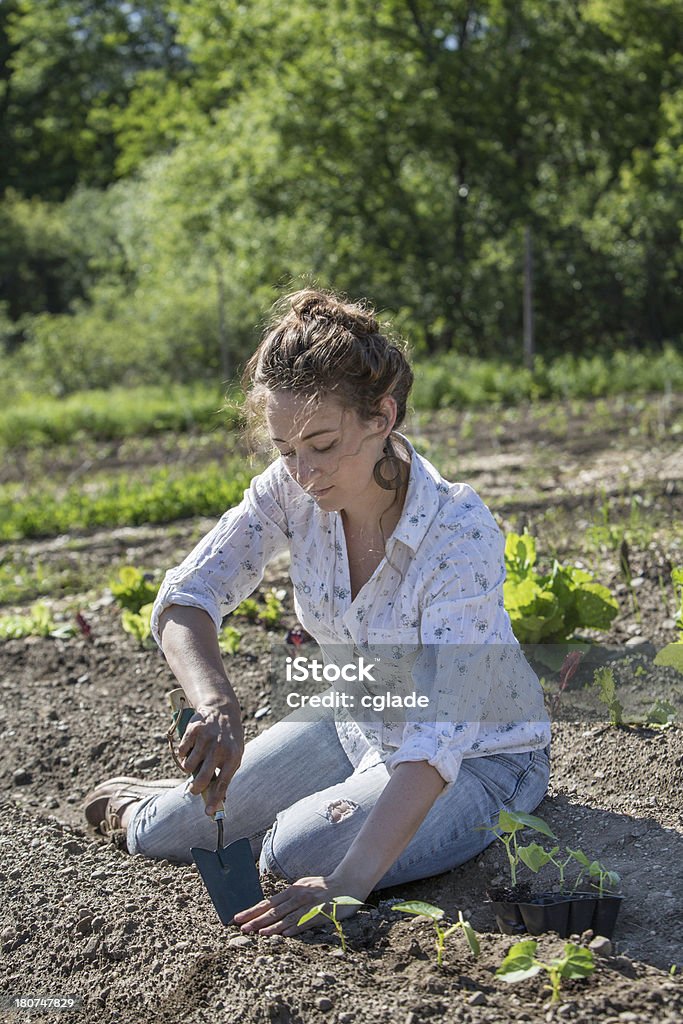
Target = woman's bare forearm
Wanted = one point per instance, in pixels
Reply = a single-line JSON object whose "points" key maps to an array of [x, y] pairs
{"points": [[190, 646]]}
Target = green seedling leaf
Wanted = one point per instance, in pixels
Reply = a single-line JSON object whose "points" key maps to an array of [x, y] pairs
{"points": [[519, 962], [580, 856], [311, 913], [535, 857], [470, 935], [348, 901], [671, 656], [417, 907], [522, 820], [578, 962], [662, 713]]}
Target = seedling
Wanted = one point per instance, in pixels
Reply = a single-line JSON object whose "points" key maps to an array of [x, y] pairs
{"points": [[272, 614], [436, 915], [521, 963], [38, 622], [596, 869], [229, 640], [604, 679], [248, 608], [506, 828], [336, 902], [133, 589], [138, 624]]}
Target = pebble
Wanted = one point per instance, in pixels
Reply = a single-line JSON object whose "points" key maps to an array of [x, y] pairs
{"points": [[346, 1017], [261, 712], [277, 940], [73, 847], [240, 941], [20, 777], [149, 761], [628, 1016], [97, 924], [324, 1004], [636, 641], [15, 873], [601, 945], [476, 999], [8, 935]]}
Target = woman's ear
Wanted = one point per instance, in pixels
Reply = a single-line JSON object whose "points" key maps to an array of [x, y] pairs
{"points": [[388, 410]]}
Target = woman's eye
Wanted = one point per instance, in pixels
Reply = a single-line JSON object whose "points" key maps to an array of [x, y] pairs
{"points": [[325, 449]]}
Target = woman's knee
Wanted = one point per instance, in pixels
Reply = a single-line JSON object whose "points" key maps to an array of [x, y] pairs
{"points": [[311, 837]]}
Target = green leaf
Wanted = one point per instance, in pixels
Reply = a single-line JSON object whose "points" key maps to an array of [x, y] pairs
{"points": [[417, 907], [348, 901], [578, 962], [534, 856], [311, 913], [595, 606], [519, 962], [661, 713], [671, 656], [522, 820], [470, 934], [580, 856]]}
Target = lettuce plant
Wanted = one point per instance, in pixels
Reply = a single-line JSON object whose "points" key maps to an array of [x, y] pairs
{"points": [[550, 608]]}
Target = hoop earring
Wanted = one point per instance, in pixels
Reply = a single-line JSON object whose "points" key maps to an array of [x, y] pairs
{"points": [[394, 467]]}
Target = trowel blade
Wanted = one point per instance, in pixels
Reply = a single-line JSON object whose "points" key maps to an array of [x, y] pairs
{"points": [[230, 876]]}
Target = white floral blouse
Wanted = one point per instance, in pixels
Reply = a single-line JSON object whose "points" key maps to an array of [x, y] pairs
{"points": [[432, 612]]}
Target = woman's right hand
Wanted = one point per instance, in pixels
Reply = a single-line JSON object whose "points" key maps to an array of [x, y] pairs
{"points": [[213, 741]]}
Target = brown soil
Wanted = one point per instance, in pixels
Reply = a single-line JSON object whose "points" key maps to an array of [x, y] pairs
{"points": [[137, 940]]}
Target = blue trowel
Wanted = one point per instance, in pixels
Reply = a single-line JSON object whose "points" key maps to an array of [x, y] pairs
{"points": [[228, 872]]}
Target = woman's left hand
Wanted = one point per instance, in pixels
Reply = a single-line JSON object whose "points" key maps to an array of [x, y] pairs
{"points": [[279, 914]]}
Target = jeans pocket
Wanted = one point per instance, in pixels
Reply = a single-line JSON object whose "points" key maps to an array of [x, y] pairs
{"points": [[509, 772]]}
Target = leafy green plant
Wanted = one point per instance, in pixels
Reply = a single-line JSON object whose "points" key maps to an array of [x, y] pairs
{"points": [[229, 640], [551, 607], [138, 624], [319, 909], [38, 622], [661, 715], [607, 880], [248, 609], [133, 589], [603, 679], [436, 915], [672, 654], [272, 613], [521, 963], [507, 826]]}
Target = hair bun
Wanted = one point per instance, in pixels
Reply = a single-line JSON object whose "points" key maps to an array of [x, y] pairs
{"points": [[311, 304]]}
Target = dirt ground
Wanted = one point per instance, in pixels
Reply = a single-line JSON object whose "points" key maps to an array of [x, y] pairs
{"points": [[137, 940]]}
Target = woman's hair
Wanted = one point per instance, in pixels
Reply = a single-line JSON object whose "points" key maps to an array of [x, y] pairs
{"points": [[318, 344]]}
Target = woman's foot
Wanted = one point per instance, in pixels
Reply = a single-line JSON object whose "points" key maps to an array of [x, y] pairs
{"points": [[110, 806]]}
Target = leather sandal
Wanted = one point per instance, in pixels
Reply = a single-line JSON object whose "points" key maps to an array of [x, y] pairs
{"points": [[104, 805]]}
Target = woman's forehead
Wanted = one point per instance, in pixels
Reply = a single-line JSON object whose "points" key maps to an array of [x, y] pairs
{"points": [[289, 414]]}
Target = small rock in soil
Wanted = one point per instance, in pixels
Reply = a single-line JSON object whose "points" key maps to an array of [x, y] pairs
{"points": [[150, 761], [601, 945], [476, 999], [324, 1004], [20, 777], [240, 940]]}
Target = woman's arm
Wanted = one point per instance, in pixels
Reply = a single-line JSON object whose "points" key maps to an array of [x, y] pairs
{"points": [[391, 824], [393, 821], [215, 740]]}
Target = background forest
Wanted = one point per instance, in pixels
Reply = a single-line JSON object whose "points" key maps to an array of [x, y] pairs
{"points": [[170, 167]]}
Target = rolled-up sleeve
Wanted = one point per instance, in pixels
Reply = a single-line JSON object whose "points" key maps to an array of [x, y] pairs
{"points": [[460, 621], [228, 563]]}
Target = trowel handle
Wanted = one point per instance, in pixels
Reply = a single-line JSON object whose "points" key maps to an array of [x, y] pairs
{"points": [[182, 713]]}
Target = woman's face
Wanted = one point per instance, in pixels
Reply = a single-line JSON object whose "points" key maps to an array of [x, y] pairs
{"points": [[327, 449]]}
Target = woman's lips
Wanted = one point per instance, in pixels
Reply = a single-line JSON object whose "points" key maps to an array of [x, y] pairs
{"points": [[318, 494]]}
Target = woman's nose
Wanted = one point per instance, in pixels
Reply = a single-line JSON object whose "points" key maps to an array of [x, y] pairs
{"points": [[304, 471]]}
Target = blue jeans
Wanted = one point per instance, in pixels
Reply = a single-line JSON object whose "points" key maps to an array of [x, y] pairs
{"points": [[294, 774]]}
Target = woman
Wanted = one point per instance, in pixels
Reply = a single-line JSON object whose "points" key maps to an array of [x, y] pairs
{"points": [[388, 560]]}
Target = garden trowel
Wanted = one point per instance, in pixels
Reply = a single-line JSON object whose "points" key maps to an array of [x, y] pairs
{"points": [[229, 872]]}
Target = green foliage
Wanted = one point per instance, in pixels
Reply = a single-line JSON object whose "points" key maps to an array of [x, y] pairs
{"points": [[521, 963], [37, 622], [672, 654], [662, 714], [551, 607], [229, 640], [603, 679], [507, 826], [138, 623], [133, 589], [161, 497], [436, 915], [269, 613], [112, 415], [338, 901]]}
